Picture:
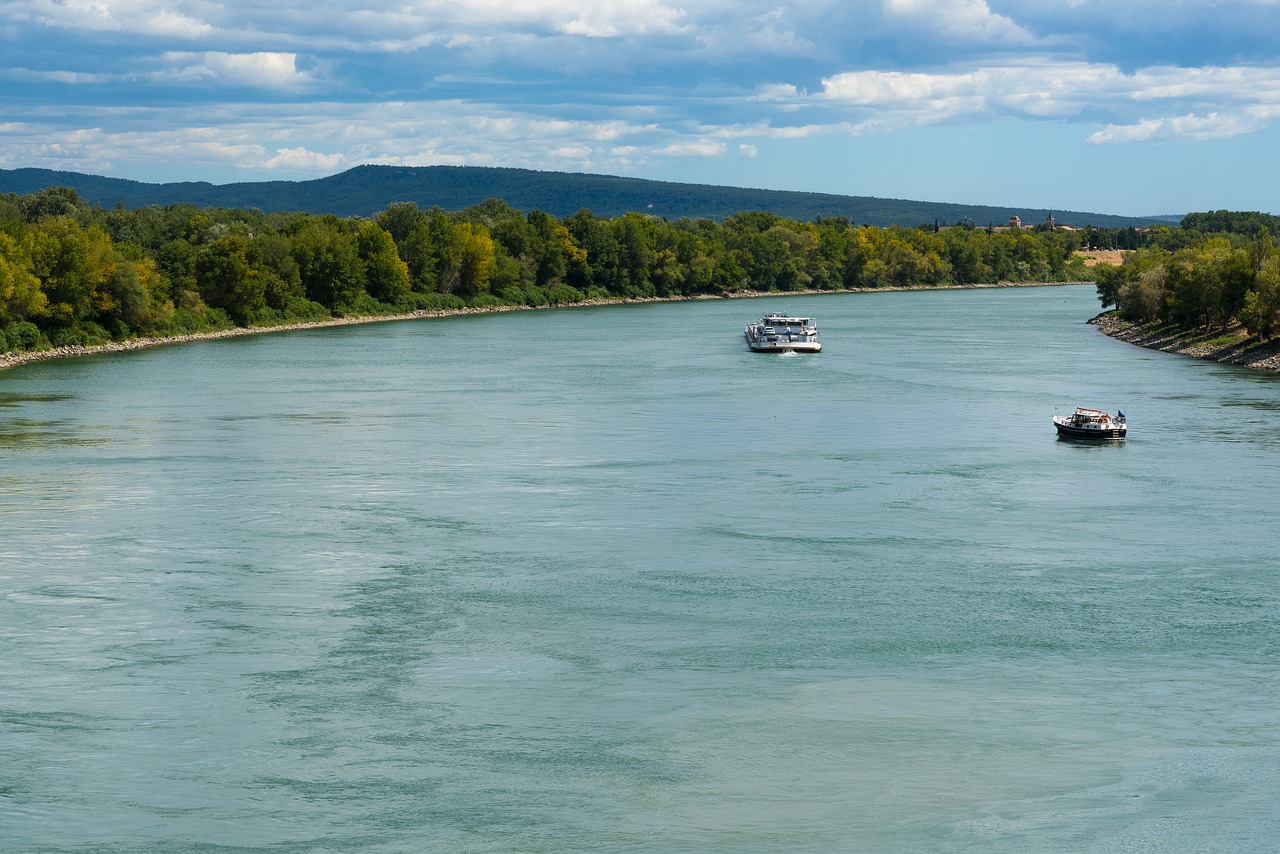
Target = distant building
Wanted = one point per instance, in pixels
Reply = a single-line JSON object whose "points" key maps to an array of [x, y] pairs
{"points": [[1015, 224]]}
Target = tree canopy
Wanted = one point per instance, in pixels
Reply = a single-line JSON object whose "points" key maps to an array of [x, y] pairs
{"points": [[74, 273], [1209, 280]]}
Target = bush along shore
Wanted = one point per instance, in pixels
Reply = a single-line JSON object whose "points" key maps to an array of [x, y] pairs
{"points": [[13, 359], [1230, 346]]}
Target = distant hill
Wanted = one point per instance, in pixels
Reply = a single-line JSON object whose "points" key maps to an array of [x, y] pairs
{"points": [[366, 190]]}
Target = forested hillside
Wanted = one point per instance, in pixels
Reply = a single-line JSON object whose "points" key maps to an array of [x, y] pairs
{"points": [[365, 190], [74, 273]]}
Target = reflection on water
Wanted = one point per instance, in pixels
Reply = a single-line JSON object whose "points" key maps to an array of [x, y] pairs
{"points": [[22, 433], [17, 399]]}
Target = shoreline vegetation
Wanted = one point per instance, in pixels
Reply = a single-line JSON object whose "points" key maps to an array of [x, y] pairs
{"points": [[1210, 290], [15, 359], [1233, 346], [76, 279], [75, 276]]}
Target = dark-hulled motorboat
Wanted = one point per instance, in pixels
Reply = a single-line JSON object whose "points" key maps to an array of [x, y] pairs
{"points": [[1091, 424]]}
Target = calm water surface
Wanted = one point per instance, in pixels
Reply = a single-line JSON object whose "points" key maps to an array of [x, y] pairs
{"points": [[601, 579]]}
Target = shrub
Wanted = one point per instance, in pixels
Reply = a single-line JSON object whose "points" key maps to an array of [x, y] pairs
{"points": [[82, 333], [511, 295], [564, 295], [23, 336], [437, 302], [185, 321], [363, 305], [486, 301]]}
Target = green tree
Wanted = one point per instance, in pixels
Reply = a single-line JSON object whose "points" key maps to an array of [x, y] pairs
{"points": [[548, 248], [601, 260], [1110, 279], [228, 279], [386, 275], [635, 253], [282, 285], [71, 263], [476, 260], [176, 260], [20, 295], [964, 249], [129, 295], [1260, 313], [1235, 271], [50, 201], [399, 220], [328, 264]]}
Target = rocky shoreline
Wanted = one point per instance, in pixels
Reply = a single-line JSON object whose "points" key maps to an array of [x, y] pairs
{"points": [[1232, 347], [11, 360]]}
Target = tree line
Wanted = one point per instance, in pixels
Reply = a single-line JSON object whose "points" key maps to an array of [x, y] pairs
{"points": [[73, 273], [1201, 278]]}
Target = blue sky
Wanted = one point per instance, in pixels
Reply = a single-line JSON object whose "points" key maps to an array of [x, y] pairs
{"points": [[1114, 106]]}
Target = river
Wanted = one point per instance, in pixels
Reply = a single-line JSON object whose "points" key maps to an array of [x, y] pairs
{"points": [[600, 579]]}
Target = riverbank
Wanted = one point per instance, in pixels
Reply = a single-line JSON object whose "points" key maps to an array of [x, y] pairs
{"points": [[11, 360], [1232, 347]]}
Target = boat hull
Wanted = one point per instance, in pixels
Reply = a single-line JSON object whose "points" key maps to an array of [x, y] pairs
{"points": [[1069, 432], [784, 346]]}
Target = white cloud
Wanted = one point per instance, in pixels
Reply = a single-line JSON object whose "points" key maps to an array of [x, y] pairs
{"points": [[377, 26], [959, 20], [256, 70], [320, 138], [590, 18], [301, 160], [264, 70], [94, 149], [145, 17], [877, 88], [1211, 126], [571, 152], [1165, 82], [781, 92], [774, 33], [792, 132], [693, 148], [72, 78], [1201, 103]]}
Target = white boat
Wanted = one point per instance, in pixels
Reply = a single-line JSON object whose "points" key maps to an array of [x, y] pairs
{"points": [[1091, 424], [781, 333]]}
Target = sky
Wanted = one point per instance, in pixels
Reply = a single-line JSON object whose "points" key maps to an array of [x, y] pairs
{"points": [[1132, 107]]}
